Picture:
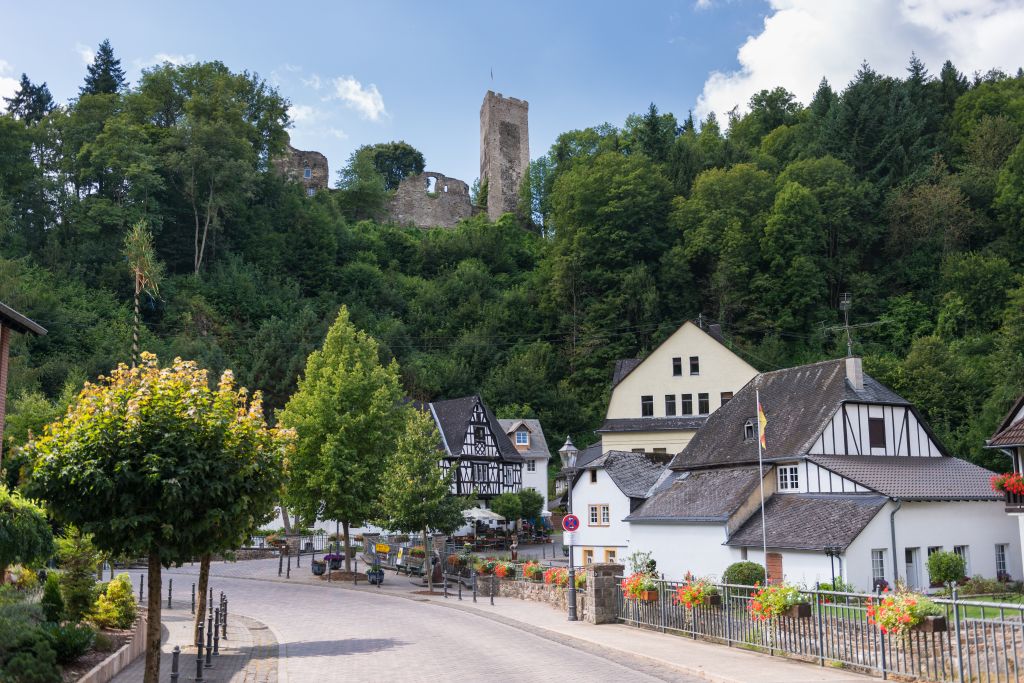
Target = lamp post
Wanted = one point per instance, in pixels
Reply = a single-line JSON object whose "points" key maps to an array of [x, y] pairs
{"points": [[568, 455], [833, 552]]}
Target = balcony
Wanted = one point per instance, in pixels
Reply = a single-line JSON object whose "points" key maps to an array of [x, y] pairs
{"points": [[1014, 502]]}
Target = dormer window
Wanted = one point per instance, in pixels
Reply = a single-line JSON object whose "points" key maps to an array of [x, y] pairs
{"points": [[677, 367], [522, 437], [789, 478], [749, 431]]}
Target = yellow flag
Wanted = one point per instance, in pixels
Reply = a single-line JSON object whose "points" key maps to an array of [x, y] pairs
{"points": [[762, 422]]}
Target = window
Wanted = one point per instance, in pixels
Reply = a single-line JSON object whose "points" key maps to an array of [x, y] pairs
{"points": [[661, 450], [480, 472], [694, 365], [638, 450], [531, 465], [593, 515], [605, 515], [876, 432], [726, 397], [789, 478], [588, 556], [599, 515], [932, 549], [964, 552], [703, 404], [877, 565], [687, 405], [609, 554], [646, 406], [1001, 572], [677, 367], [478, 434], [522, 437], [307, 173], [670, 405], [310, 191], [593, 476], [748, 430]]}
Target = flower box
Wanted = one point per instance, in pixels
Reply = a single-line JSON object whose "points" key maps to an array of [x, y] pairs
{"points": [[647, 596], [801, 610], [931, 624], [715, 599], [375, 576]]}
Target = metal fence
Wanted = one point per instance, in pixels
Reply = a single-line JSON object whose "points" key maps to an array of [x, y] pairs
{"points": [[983, 641]]}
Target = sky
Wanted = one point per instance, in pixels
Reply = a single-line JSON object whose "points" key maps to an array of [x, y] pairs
{"points": [[366, 72]]}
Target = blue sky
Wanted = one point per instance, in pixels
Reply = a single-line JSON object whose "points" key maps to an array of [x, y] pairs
{"points": [[365, 72]]}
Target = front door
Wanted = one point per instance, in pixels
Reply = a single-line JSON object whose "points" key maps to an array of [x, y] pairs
{"points": [[912, 557]]}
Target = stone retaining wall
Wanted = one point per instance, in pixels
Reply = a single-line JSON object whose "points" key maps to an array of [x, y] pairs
{"points": [[536, 591]]}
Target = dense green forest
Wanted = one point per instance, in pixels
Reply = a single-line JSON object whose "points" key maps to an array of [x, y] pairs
{"points": [[907, 192]]}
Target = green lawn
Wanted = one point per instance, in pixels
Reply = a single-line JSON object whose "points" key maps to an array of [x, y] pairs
{"points": [[976, 612]]}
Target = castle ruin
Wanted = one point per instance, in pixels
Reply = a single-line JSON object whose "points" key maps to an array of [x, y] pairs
{"points": [[430, 199], [306, 167], [504, 151]]}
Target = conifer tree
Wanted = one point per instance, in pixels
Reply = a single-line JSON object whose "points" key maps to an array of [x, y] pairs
{"points": [[31, 103], [105, 75]]}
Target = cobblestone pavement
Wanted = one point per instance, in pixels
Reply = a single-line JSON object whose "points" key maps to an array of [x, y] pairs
{"points": [[332, 634]]}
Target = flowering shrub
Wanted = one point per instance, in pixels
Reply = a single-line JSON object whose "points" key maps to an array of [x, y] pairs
{"points": [[418, 551], [533, 571], [897, 613], [638, 583], [695, 592], [505, 570], [456, 561], [558, 576], [486, 566], [772, 600], [1011, 482]]}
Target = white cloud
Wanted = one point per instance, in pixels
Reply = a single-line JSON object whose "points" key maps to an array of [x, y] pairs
{"points": [[702, 4], [161, 57], [85, 52], [367, 101], [312, 82], [303, 113], [803, 40], [8, 85], [338, 133]]}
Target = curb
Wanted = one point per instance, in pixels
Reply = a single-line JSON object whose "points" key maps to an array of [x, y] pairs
{"points": [[122, 658]]}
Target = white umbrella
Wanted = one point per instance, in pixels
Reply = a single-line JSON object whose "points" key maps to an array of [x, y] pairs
{"points": [[482, 514]]}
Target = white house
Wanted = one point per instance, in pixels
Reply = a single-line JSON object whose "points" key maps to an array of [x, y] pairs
{"points": [[659, 402], [605, 491], [528, 438], [1009, 438], [855, 484]]}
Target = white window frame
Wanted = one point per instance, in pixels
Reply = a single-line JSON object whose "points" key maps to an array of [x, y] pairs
{"points": [[598, 515], [694, 361], [1001, 552], [307, 173], [531, 465], [606, 517], [789, 477], [964, 551], [525, 440], [877, 565]]}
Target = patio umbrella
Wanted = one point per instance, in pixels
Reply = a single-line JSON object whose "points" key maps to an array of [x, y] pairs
{"points": [[482, 515]]}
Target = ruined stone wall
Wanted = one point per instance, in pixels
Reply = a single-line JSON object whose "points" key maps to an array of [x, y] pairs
{"points": [[504, 150], [430, 200], [296, 164]]}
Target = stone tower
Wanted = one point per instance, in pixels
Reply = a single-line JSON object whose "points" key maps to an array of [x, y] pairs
{"points": [[504, 150]]}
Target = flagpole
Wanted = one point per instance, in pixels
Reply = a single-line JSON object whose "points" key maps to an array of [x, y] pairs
{"points": [[760, 468]]}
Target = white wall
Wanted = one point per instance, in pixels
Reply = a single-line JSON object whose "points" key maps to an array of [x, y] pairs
{"points": [[847, 433], [616, 534], [681, 548], [672, 440], [537, 480], [814, 479]]}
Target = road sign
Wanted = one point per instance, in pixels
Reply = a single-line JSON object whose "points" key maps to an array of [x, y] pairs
{"points": [[569, 538], [570, 522]]}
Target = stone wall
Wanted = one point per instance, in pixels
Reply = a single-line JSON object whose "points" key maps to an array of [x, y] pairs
{"points": [[504, 150], [294, 163], [601, 580], [430, 200], [536, 591]]}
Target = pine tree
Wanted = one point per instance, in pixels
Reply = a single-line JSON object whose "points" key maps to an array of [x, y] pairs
{"points": [[31, 103], [104, 75]]}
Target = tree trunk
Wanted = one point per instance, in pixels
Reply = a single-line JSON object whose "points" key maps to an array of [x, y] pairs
{"points": [[152, 670], [135, 326], [428, 566], [3, 574], [348, 562], [285, 520], [204, 580]]}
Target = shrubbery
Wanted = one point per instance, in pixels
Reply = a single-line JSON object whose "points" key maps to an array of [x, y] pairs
{"points": [[743, 573], [944, 567], [116, 607], [52, 602], [25, 652], [68, 641]]}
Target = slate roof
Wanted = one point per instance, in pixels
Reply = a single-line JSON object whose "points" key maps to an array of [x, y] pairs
{"points": [[798, 402], [622, 368], [538, 444], [1010, 432], [809, 521], [633, 473], [701, 496], [651, 424], [588, 455], [943, 478], [454, 416]]}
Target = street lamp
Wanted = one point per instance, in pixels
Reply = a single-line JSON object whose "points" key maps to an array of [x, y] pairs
{"points": [[834, 551], [568, 455]]}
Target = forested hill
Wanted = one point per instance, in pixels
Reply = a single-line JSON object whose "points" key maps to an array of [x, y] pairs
{"points": [[907, 192]]}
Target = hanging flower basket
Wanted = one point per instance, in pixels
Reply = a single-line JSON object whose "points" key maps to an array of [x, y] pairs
{"points": [[801, 610], [647, 596]]}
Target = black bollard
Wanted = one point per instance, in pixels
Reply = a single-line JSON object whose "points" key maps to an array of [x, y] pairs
{"points": [[460, 588], [289, 574], [209, 646], [216, 632], [224, 619], [209, 603], [170, 587], [474, 587], [298, 555], [193, 598], [199, 655], [445, 579], [280, 562], [492, 590], [141, 578], [175, 653]]}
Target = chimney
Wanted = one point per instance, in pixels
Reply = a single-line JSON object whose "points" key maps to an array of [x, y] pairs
{"points": [[715, 331], [855, 373]]}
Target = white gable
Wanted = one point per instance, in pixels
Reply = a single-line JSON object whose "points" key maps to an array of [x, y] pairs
{"points": [[848, 432]]}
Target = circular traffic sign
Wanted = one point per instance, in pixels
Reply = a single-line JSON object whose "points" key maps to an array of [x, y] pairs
{"points": [[570, 522]]}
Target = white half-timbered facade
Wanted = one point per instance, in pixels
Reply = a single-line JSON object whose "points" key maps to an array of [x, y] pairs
{"points": [[485, 462], [876, 429]]}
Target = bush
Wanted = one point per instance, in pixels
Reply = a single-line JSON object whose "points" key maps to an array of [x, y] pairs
{"points": [[78, 558], [24, 579], [642, 562], [743, 573], [52, 602], [116, 608], [944, 567], [69, 641], [979, 585], [25, 653]]}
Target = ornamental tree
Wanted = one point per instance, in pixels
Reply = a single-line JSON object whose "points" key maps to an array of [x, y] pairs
{"points": [[152, 461], [415, 492], [347, 418], [24, 534]]}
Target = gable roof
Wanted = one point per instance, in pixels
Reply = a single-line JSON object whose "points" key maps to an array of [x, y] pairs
{"points": [[942, 478], [798, 402], [809, 521], [633, 473], [1010, 432], [453, 417], [623, 367], [538, 444], [701, 496]]}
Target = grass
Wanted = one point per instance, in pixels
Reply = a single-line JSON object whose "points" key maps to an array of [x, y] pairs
{"points": [[977, 612]]}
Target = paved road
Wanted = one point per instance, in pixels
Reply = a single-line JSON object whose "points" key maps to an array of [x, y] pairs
{"points": [[329, 634]]}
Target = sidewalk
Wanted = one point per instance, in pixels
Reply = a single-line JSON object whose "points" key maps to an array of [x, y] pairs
{"points": [[249, 655]]}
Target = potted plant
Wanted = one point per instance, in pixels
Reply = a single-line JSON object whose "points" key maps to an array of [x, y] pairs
{"points": [[532, 571], [418, 552], [776, 600], [900, 612], [318, 567], [557, 576], [697, 592], [505, 570], [640, 586], [486, 566], [334, 559], [375, 574]]}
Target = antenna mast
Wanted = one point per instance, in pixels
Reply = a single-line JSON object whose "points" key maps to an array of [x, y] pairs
{"points": [[845, 300]]}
